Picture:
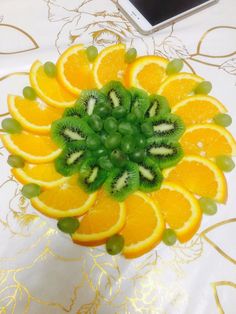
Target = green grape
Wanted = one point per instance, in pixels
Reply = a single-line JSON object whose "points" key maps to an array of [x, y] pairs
{"points": [[147, 129], [95, 122], [174, 66], [110, 125], [131, 117], [169, 237], [103, 137], [138, 155], [208, 206], [92, 53], [102, 110], [138, 113], [128, 145], [29, 93], [225, 163], [119, 112], [50, 69], [15, 161], [93, 142], [125, 128], [203, 88], [68, 224], [105, 163], [223, 119], [12, 126], [113, 141], [118, 158], [101, 152], [31, 190], [115, 244], [141, 141], [130, 55]]}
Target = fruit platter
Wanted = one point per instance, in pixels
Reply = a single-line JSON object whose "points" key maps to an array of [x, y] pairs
{"points": [[124, 151]]}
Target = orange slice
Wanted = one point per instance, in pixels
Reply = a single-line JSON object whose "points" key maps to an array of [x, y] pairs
{"points": [[180, 210], [110, 65], [147, 73], [198, 109], [104, 219], [49, 89], [33, 148], [144, 225], [44, 175], [74, 70], [66, 200], [200, 176], [208, 140], [33, 116], [176, 87]]}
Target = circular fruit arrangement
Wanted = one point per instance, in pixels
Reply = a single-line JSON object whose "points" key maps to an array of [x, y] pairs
{"points": [[122, 150]]}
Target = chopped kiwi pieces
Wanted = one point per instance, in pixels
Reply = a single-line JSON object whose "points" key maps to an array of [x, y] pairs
{"points": [[168, 126], [150, 176], [165, 153], [69, 129], [117, 95], [139, 100], [123, 181], [68, 162], [72, 112], [88, 100], [91, 175], [158, 106]]}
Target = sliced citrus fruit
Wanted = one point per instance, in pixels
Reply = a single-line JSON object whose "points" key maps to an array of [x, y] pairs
{"points": [[66, 200], [74, 70], [198, 109], [147, 73], [33, 116], [104, 219], [176, 87], [49, 89], [110, 65], [180, 209], [208, 140], [31, 147], [200, 176], [44, 175], [144, 225]]}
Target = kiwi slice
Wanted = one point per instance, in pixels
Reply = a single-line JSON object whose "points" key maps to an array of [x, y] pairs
{"points": [[68, 162], [72, 112], [88, 100], [150, 176], [164, 152], [69, 129], [140, 99], [158, 106], [167, 126], [91, 175], [117, 95], [123, 181]]}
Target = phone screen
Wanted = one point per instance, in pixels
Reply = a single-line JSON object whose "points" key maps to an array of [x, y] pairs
{"points": [[157, 11]]}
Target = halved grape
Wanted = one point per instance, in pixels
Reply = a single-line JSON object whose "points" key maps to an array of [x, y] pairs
{"points": [[130, 55], [169, 237], [125, 128], [208, 206], [12, 126], [29, 93], [115, 244], [127, 144], [118, 158], [93, 142], [95, 122], [105, 163], [68, 224], [138, 155], [92, 53], [31, 190], [131, 117], [225, 163], [147, 129], [203, 88], [119, 112], [141, 141], [223, 119], [174, 66], [110, 125], [102, 110], [50, 69], [15, 161], [113, 141]]}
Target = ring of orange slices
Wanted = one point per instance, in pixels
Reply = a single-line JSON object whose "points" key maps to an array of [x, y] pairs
{"points": [[141, 216]]}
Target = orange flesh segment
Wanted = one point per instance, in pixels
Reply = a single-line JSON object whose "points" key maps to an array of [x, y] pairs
{"points": [[43, 172]]}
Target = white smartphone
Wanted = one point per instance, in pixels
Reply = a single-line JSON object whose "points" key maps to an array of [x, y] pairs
{"points": [[151, 15]]}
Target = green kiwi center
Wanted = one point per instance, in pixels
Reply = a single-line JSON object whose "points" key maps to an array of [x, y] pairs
{"points": [[90, 105], [74, 135], [164, 127], [146, 173], [161, 151], [153, 110], [93, 175], [114, 98], [74, 157], [121, 181]]}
